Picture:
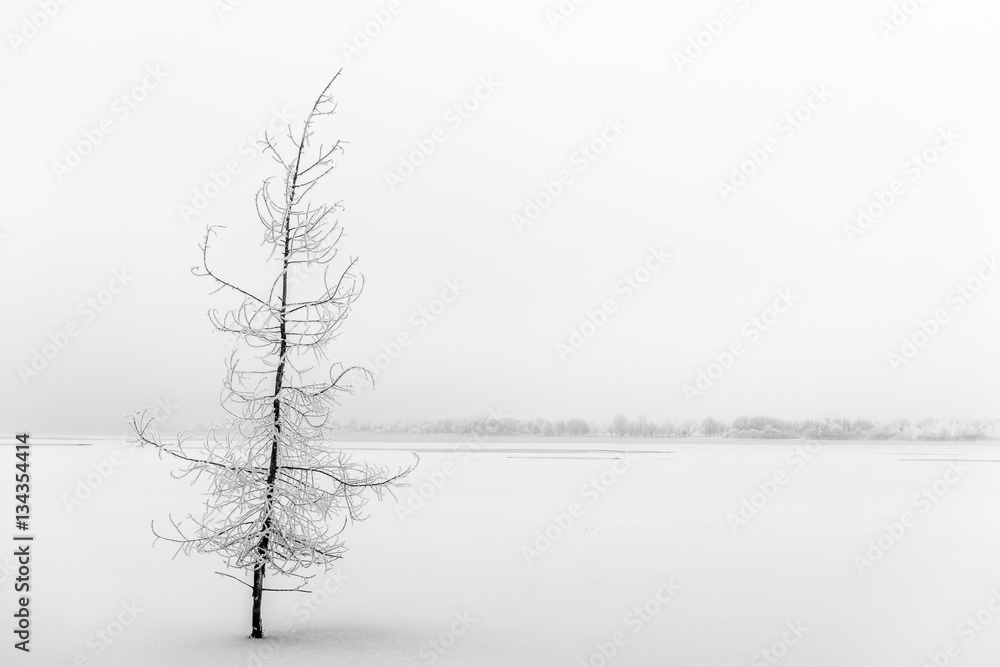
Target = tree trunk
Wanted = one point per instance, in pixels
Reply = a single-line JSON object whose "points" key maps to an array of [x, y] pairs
{"points": [[256, 625]]}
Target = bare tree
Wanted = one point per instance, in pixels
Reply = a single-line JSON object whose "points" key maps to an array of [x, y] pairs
{"points": [[619, 424], [276, 487]]}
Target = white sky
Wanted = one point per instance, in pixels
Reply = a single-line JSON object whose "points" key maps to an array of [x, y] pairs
{"points": [[656, 185]]}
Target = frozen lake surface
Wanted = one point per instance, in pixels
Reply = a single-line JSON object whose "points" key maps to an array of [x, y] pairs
{"points": [[548, 553]]}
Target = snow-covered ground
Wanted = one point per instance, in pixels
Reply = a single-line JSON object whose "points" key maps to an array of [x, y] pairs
{"points": [[652, 564]]}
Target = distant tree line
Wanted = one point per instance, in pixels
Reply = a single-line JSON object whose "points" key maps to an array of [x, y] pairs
{"points": [[755, 427]]}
